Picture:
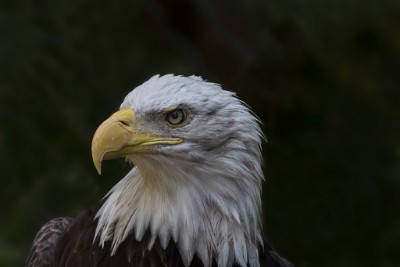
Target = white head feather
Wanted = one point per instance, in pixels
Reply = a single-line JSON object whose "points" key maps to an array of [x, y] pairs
{"points": [[204, 193]]}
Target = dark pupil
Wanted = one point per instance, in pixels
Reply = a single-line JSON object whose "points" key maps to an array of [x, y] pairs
{"points": [[174, 115]]}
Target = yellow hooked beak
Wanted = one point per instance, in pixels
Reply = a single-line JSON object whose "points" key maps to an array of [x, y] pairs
{"points": [[117, 137]]}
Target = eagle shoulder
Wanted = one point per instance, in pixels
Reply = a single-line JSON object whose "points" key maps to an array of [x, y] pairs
{"points": [[70, 242], [270, 258], [46, 240], [79, 248]]}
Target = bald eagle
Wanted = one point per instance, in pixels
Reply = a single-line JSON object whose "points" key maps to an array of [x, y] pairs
{"points": [[192, 197]]}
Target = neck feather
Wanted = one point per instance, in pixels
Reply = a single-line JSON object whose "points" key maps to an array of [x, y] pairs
{"points": [[205, 209]]}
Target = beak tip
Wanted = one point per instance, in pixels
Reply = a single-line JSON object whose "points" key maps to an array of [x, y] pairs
{"points": [[97, 156], [98, 167]]}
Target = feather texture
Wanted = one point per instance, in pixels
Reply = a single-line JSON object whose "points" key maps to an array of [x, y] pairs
{"points": [[75, 247], [44, 244]]}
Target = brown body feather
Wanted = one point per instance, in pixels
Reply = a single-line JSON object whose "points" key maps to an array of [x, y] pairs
{"points": [[46, 241]]}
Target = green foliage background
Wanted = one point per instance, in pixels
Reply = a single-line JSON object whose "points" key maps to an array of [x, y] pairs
{"points": [[322, 75]]}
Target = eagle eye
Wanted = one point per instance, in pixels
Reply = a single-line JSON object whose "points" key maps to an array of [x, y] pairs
{"points": [[176, 116]]}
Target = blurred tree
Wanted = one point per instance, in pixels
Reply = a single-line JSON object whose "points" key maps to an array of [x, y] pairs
{"points": [[322, 76]]}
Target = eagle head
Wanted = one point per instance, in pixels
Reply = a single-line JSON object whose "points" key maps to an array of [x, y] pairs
{"points": [[196, 175]]}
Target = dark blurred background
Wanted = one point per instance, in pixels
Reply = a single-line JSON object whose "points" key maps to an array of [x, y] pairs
{"points": [[322, 75]]}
